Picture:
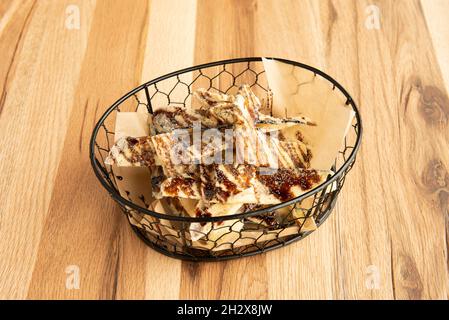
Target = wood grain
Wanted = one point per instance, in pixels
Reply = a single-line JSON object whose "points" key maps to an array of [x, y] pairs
{"points": [[173, 20], [73, 228], [392, 217], [435, 16], [42, 70]]}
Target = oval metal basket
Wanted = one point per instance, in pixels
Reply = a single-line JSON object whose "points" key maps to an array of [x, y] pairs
{"points": [[225, 238]]}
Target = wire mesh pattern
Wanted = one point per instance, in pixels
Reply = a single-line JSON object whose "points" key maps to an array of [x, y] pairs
{"points": [[230, 236]]}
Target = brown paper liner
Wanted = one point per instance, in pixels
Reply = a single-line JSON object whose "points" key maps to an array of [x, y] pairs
{"points": [[299, 91], [134, 183]]}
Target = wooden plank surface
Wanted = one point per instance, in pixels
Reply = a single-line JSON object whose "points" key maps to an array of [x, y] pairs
{"points": [[391, 221]]}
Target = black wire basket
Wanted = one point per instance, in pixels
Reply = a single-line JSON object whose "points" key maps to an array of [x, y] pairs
{"points": [[231, 236]]}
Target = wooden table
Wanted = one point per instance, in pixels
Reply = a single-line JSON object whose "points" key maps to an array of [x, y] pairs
{"points": [[388, 236]]}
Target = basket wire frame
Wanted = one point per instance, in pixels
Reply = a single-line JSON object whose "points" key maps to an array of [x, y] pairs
{"points": [[225, 239]]}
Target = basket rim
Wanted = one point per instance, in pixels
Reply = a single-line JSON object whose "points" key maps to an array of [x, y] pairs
{"points": [[116, 196]]}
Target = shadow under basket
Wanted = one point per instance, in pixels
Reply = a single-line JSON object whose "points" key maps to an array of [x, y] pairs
{"points": [[236, 235]]}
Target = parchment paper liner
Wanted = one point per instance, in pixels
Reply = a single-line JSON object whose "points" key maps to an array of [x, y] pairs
{"points": [[299, 91]]}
